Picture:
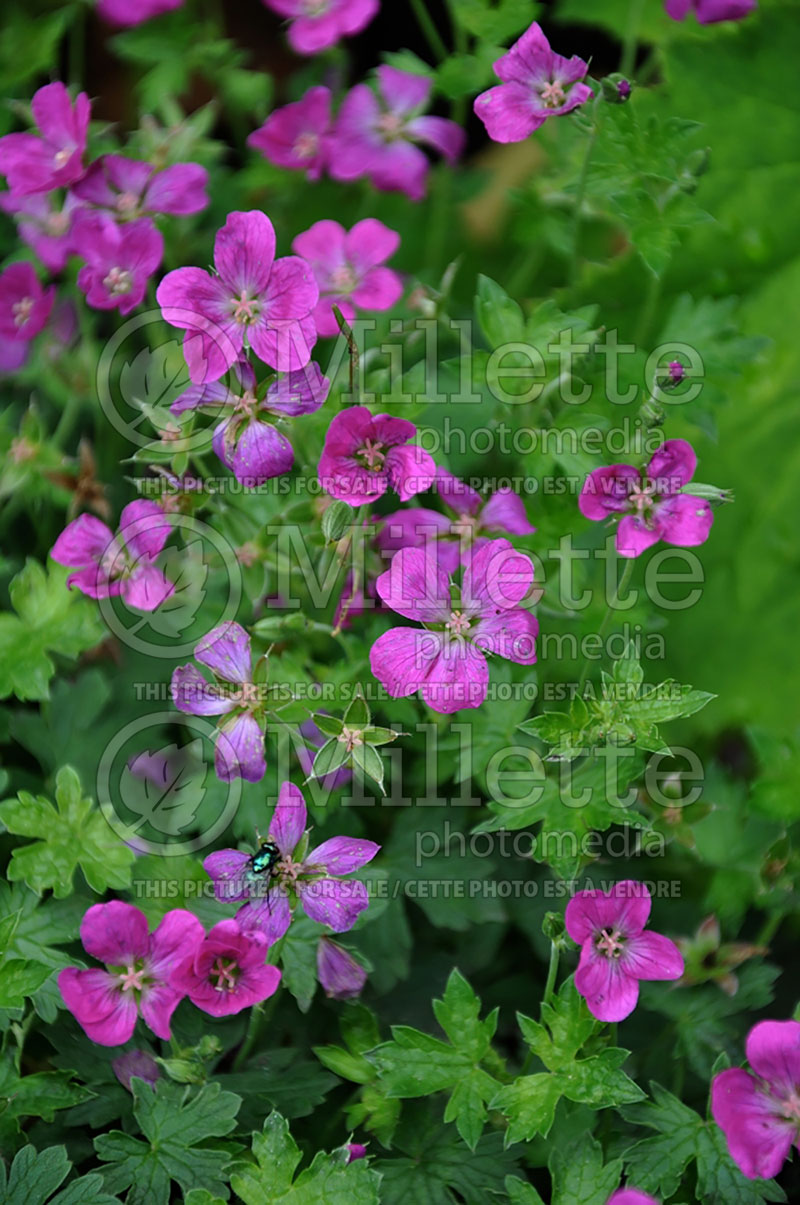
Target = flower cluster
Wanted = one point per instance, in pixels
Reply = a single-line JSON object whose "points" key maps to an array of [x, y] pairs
{"points": [[101, 212], [374, 135]]}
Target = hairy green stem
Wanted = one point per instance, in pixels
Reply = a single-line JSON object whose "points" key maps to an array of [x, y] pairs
{"points": [[628, 60], [581, 193], [432, 35], [611, 607]]}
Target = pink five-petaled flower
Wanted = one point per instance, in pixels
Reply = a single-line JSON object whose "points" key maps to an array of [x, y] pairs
{"points": [[340, 975], [300, 874], [375, 137], [297, 135], [760, 1113], [709, 11], [129, 188], [24, 309], [134, 12], [364, 455], [107, 1003], [650, 500], [119, 259], [225, 651], [446, 662], [255, 300], [631, 1196], [124, 563], [318, 24], [44, 224], [226, 971], [349, 269], [245, 440], [445, 537], [35, 163], [615, 950], [537, 84]]}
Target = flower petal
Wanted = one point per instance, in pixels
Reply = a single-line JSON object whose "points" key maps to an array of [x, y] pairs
{"points": [[634, 537], [334, 902], [289, 818], [671, 466], [271, 916], [239, 751], [244, 252], [106, 1014], [191, 693], [227, 868], [652, 956], [606, 490], [416, 587], [684, 520], [459, 677], [610, 993], [401, 659], [115, 933], [773, 1051], [505, 511], [342, 855], [226, 652], [496, 577], [625, 907], [758, 1139]]}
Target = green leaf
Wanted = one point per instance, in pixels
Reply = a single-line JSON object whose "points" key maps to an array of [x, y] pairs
{"points": [[329, 757], [34, 1176], [50, 619], [330, 1180], [529, 1105], [40, 1094], [579, 1175], [73, 833], [329, 725], [369, 762], [173, 1123], [499, 317]]}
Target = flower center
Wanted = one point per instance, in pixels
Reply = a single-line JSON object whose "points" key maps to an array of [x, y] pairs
{"points": [[315, 8], [373, 454], [245, 308], [790, 1107], [127, 202], [610, 943], [287, 870], [306, 146], [457, 624], [63, 156], [118, 282], [247, 695], [350, 737], [225, 974], [132, 978], [553, 94], [343, 279], [641, 497], [57, 224], [246, 404], [390, 125], [22, 310], [115, 562]]}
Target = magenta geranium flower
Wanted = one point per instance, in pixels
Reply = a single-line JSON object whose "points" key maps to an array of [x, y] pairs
{"points": [[444, 536], [759, 1112], [375, 136], [318, 24], [107, 1003], [121, 564], [54, 157], [616, 952], [297, 135], [129, 188], [44, 224], [254, 300], [119, 260], [631, 1196], [709, 11], [537, 84], [342, 978], [226, 971], [239, 751], [134, 12], [312, 878], [650, 500], [348, 267], [246, 441], [446, 660], [364, 455], [24, 309]]}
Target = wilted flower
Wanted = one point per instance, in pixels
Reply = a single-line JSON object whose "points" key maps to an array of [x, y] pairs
{"points": [[239, 751], [375, 136], [297, 875], [759, 1113], [650, 500], [106, 1003], [364, 455], [446, 660], [253, 300], [136, 1063], [226, 971], [340, 975], [297, 135], [124, 563], [318, 24], [349, 269], [445, 537], [537, 84], [54, 157], [616, 952]]}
